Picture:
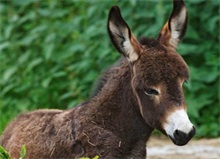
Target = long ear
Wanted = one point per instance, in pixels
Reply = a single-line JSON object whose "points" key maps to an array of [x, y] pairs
{"points": [[121, 35], [174, 29]]}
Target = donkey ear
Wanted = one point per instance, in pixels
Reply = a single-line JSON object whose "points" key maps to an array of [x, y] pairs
{"points": [[174, 29], [121, 35]]}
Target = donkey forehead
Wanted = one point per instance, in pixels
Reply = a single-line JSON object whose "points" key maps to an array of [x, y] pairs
{"points": [[161, 65]]}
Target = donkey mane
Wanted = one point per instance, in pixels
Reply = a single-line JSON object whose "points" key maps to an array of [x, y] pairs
{"points": [[103, 78]]}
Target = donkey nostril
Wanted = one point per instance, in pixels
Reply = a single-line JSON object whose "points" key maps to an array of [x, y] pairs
{"points": [[176, 132], [179, 134]]}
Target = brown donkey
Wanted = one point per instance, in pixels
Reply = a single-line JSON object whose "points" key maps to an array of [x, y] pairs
{"points": [[143, 93]]}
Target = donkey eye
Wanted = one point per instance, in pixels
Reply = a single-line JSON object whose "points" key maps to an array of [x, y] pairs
{"points": [[151, 92]]}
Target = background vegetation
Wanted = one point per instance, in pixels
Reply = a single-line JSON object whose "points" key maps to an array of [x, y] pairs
{"points": [[52, 51]]}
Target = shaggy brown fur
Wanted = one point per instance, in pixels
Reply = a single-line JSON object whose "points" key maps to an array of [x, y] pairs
{"points": [[118, 121], [106, 126]]}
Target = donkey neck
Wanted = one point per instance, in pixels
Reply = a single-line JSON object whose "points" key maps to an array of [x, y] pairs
{"points": [[115, 108]]}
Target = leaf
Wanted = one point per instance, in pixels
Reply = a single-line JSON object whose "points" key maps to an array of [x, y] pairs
{"points": [[4, 154], [46, 82], [9, 73], [7, 88], [23, 152], [59, 74], [24, 57], [48, 51], [96, 157], [8, 31], [34, 63], [3, 46], [65, 96]]}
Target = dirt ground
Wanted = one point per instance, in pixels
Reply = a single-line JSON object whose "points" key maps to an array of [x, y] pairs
{"points": [[163, 148]]}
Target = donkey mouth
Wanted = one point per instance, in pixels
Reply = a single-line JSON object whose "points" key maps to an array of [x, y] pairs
{"points": [[180, 138], [179, 142]]}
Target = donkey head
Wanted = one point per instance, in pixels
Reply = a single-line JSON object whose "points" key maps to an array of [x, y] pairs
{"points": [[158, 73]]}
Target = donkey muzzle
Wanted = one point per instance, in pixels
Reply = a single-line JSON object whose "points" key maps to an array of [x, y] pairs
{"points": [[179, 128], [181, 138]]}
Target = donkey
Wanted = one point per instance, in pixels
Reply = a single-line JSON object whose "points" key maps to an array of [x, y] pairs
{"points": [[142, 93]]}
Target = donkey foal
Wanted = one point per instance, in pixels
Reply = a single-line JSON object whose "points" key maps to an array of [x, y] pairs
{"points": [[144, 92]]}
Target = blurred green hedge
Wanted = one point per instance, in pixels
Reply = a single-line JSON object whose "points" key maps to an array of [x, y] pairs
{"points": [[52, 51]]}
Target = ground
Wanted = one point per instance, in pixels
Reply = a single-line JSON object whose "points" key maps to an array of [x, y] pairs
{"points": [[163, 148]]}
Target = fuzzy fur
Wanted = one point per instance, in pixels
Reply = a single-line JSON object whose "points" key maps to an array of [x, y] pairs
{"points": [[106, 126]]}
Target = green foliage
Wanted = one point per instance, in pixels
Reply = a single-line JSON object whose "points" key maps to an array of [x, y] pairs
{"points": [[23, 152], [52, 51], [96, 157], [4, 154]]}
